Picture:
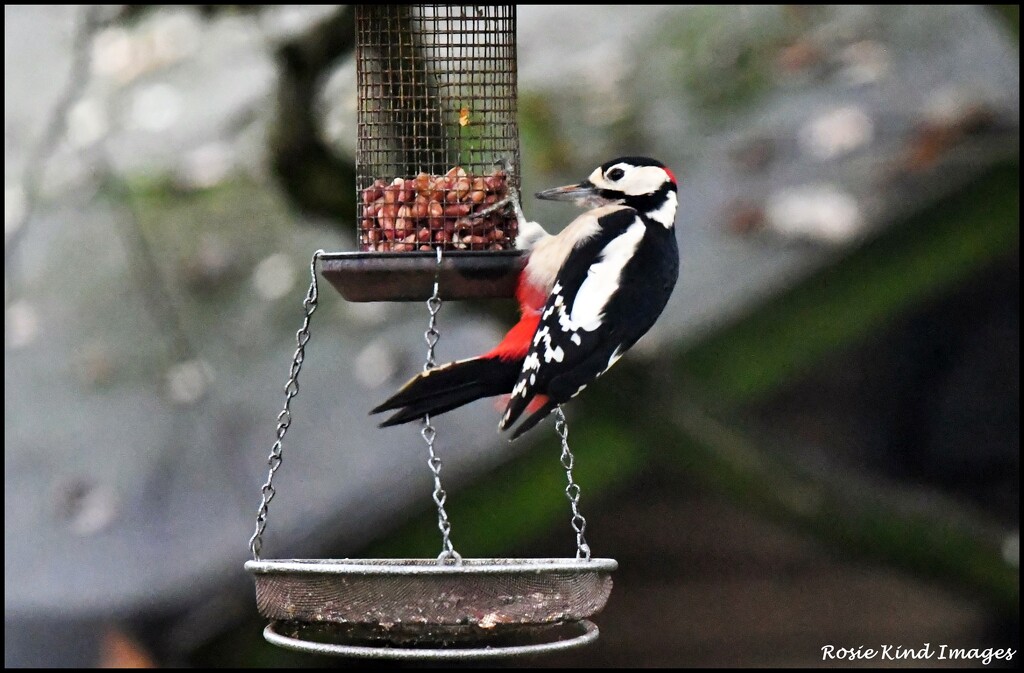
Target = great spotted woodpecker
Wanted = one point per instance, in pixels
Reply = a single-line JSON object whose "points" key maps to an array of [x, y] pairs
{"points": [[586, 295]]}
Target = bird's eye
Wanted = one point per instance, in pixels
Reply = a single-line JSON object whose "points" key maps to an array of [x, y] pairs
{"points": [[615, 174]]}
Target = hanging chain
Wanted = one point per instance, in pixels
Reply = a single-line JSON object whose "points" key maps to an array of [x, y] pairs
{"points": [[284, 419], [432, 335], [572, 491]]}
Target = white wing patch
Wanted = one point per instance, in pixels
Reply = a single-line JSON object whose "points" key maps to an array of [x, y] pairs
{"points": [[602, 280], [544, 335]]}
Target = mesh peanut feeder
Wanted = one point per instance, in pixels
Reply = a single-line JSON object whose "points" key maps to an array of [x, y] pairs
{"points": [[437, 154], [437, 164]]}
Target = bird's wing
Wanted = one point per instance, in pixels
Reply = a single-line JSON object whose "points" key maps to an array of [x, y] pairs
{"points": [[574, 342]]}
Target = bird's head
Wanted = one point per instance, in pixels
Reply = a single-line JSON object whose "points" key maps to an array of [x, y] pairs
{"points": [[639, 182]]}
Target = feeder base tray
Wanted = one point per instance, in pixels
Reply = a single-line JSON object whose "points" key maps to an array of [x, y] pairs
{"points": [[409, 276], [416, 607]]}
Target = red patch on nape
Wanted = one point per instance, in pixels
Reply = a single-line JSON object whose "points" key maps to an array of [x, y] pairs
{"points": [[671, 175]]}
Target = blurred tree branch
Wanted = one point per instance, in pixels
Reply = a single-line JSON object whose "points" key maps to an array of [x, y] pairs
{"points": [[89, 22], [142, 265], [930, 537], [313, 176]]}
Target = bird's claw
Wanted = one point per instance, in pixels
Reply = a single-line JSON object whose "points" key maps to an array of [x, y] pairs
{"points": [[511, 198]]}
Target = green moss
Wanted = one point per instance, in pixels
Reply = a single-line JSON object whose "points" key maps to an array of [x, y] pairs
{"points": [[1010, 14], [904, 266]]}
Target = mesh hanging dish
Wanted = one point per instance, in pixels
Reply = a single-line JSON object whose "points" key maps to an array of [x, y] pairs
{"points": [[437, 154], [417, 608]]}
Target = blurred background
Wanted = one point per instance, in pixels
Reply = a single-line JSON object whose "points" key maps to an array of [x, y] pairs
{"points": [[817, 444]]}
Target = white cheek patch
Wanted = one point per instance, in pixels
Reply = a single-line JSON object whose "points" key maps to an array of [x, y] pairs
{"points": [[643, 180], [637, 181], [602, 281]]}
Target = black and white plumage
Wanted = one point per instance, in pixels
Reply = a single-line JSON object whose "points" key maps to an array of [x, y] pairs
{"points": [[608, 291], [587, 295]]}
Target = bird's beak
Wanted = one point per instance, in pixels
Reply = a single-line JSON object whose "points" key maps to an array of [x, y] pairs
{"points": [[583, 193]]}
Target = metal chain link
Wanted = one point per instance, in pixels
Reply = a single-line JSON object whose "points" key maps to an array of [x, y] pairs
{"points": [[432, 335], [572, 491], [284, 419]]}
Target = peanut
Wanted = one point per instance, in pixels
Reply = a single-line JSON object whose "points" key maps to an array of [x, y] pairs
{"points": [[411, 213]]}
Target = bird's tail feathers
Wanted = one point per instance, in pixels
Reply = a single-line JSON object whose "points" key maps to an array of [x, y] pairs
{"points": [[450, 386], [538, 406], [539, 415]]}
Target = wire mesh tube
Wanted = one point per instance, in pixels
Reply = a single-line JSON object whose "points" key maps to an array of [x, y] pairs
{"points": [[437, 98]]}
